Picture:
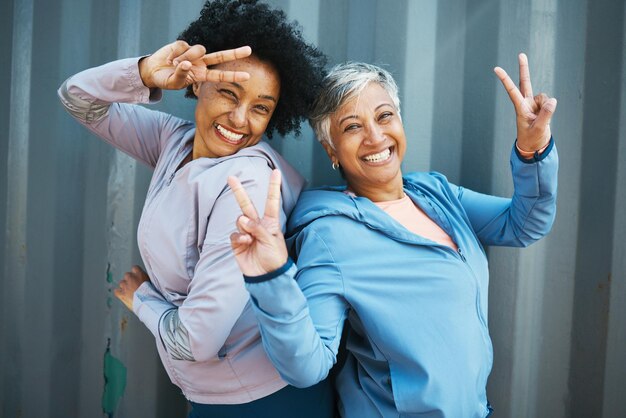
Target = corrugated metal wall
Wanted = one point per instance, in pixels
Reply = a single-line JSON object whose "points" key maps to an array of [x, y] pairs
{"points": [[70, 204]]}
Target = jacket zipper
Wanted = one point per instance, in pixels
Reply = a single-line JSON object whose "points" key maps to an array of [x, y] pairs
{"points": [[459, 253]]}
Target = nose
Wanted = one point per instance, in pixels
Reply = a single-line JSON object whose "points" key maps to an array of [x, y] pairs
{"points": [[375, 134], [237, 116]]}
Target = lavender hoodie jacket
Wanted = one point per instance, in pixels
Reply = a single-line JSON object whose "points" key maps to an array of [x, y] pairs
{"points": [[195, 303]]}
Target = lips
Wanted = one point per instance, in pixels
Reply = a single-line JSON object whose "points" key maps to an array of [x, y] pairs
{"points": [[228, 135], [379, 157]]}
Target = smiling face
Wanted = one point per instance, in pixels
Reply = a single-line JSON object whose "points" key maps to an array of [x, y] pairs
{"points": [[232, 116], [369, 144]]}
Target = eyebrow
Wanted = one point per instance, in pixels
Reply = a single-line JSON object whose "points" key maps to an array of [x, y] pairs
{"points": [[261, 96], [264, 96], [356, 117]]}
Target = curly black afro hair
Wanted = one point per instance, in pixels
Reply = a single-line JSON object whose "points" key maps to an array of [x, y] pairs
{"points": [[227, 24]]}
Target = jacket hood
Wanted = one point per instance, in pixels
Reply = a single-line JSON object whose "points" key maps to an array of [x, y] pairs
{"points": [[332, 201]]}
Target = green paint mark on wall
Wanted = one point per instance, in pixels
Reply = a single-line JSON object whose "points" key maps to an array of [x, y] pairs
{"points": [[109, 274], [114, 382], [109, 302]]}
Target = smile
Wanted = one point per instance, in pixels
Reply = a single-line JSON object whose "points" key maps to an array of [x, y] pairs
{"points": [[379, 157], [228, 135]]}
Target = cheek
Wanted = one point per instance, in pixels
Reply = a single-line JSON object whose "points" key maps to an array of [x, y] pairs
{"points": [[347, 157], [348, 147], [202, 109], [258, 124]]}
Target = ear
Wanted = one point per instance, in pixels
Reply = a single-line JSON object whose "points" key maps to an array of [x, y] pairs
{"points": [[196, 88], [331, 152]]}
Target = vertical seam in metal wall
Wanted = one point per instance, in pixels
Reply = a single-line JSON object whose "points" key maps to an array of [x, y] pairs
{"points": [[17, 200], [120, 206], [531, 272], [613, 403]]}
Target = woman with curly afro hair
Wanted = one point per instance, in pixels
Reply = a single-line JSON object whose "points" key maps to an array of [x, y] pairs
{"points": [[252, 74]]}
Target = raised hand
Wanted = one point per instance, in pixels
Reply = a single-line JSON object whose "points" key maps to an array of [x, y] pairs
{"points": [[533, 112], [177, 65], [259, 246], [129, 284]]}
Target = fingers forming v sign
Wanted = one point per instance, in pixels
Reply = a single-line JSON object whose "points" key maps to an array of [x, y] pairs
{"points": [[177, 65], [533, 112], [259, 246]]}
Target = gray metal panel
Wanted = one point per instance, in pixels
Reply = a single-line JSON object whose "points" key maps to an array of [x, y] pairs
{"points": [[17, 190], [70, 204], [615, 366]]}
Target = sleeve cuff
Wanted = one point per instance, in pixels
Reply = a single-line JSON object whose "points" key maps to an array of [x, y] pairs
{"points": [[142, 93], [269, 276], [537, 155], [149, 306]]}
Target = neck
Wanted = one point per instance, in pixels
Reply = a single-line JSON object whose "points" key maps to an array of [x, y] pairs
{"points": [[391, 190], [199, 148]]}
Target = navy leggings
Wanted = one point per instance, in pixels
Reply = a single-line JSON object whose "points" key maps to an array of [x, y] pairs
{"points": [[317, 401]]}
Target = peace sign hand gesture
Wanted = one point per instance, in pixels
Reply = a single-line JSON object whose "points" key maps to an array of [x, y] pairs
{"points": [[177, 65], [533, 112], [259, 246]]}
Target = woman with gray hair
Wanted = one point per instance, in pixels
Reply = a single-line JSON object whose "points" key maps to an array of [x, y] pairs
{"points": [[400, 257]]}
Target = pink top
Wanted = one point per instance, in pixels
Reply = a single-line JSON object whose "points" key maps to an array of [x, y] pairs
{"points": [[415, 220]]}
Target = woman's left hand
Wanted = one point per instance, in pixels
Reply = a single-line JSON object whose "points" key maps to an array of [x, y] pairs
{"points": [[533, 112], [178, 64], [129, 284]]}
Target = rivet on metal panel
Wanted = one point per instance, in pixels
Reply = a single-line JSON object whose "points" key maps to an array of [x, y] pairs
{"points": [[123, 323]]}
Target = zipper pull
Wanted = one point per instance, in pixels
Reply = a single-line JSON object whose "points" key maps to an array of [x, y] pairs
{"points": [[461, 255]]}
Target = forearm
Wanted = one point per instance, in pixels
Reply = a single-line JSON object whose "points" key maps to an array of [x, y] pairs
{"points": [[162, 319], [88, 94], [175, 336], [534, 200]]}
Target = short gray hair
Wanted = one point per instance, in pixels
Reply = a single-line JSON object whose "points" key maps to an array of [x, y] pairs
{"points": [[343, 83]]}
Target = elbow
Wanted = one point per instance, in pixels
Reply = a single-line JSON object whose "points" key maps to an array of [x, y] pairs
{"points": [[534, 233], [302, 384], [538, 225], [82, 110], [302, 380], [65, 98], [180, 344], [303, 371]]}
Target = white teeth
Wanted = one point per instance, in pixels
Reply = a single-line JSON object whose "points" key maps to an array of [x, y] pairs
{"points": [[381, 156], [228, 134]]}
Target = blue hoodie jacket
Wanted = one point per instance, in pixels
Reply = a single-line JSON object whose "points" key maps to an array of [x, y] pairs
{"points": [[418, 343]]}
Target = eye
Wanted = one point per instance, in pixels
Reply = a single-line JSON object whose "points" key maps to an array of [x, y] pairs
{"points": [[262, 109], [351, 127], [384, 116], [228, 93]]}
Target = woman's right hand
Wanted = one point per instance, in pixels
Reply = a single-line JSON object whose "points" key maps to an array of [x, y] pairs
{"points": [[177, 65], [259, 246]]}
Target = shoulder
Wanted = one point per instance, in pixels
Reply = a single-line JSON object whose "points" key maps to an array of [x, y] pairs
{"points": [[321, 240], [240, 164], [319, 203], [432, 183], [204, 180]]}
